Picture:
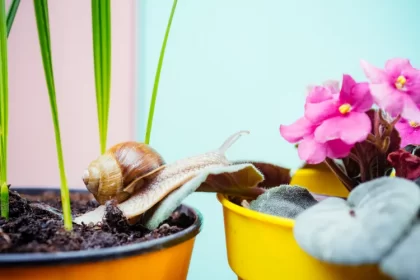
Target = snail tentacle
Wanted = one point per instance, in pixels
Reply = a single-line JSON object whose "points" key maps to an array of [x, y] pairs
{"points": [[231, 140]]}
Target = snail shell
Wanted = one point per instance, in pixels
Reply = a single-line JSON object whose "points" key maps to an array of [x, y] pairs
{"points": [[121, 171]]}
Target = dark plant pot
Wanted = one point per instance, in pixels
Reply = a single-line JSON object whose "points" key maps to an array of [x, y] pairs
{"points": [[163, 258]]}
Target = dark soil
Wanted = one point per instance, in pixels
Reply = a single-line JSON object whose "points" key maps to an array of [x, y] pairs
{"points": [[35, 225]]}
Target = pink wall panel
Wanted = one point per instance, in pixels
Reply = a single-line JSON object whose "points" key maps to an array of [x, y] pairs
{"points": [[32, 152]]}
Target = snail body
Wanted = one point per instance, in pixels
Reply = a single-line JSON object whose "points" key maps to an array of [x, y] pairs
{"points": [[121, 171], [150, 187]]}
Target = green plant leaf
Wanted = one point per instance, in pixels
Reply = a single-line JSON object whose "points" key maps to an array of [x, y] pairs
{"points": [[101, 27], [236, 179], [4, 98], [11, 14], [284, 201], [402, 262], [42, 21], [157, 77], [363, 228], [4, 200], [5, 27], [274, 175]]}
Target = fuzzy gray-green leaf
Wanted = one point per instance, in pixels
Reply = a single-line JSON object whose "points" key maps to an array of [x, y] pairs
{"points": [[362, 229], [246, 176], [404, 260], [284, 201]]}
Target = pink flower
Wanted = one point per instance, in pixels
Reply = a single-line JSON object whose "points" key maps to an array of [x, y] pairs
{"points": [[340, 115], [396, 89], [409, 132], [318, 102], [309, 149]]}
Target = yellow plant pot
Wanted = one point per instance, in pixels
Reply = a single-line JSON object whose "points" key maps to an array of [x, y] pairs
{"points": [[159, 259], [261, 246], [319, 181]]}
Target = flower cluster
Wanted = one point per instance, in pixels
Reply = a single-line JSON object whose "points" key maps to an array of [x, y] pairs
{"points": [[336, 119]]}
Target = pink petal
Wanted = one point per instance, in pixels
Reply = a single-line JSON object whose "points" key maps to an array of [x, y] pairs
{"points": [[318, 112], [412, 138], [329, 87], [410, 111], [362, 98], [351, 128], [388, 98], [319, 94], [412, 87], [338, 149], [309, 89], [409, 135], [332, 85], [356, 94], [375, 75], [394, 67], [297, 131], [311, 151], [320, 104], [346, 87], [403, 126]]}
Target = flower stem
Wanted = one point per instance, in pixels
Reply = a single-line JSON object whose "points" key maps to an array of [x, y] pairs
{"points": [[347, 182], [157, 77], [363, 165]]}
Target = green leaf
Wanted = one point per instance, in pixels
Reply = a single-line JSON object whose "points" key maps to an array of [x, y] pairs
{"points": [[42, 21], [4, 98], [5, 26], [4, 199], [235, 179], [284, 201], [363, 228], [101, 27], [157, 77], [11, 14]]}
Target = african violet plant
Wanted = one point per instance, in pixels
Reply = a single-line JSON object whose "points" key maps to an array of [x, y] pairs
{"points": [[375, 153], [341, 123]]}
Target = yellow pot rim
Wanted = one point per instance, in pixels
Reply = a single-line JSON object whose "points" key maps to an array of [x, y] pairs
{"points": [[284, 222], [103, 254]]}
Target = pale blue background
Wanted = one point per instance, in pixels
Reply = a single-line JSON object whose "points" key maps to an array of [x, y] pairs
{"points": [[242, 64]]}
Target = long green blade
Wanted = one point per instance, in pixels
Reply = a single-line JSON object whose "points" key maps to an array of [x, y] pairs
{"points": [[4, 198], [11, 14], [42, 21], [4, 98], [157, 77], [101, 27], [5, 27]]}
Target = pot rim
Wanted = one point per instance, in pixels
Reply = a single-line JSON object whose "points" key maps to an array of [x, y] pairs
{"points": [[249, 213], [102, 254]]}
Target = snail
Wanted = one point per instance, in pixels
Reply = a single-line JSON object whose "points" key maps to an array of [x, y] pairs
{"points": [[121, 170], [154, 183]]}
